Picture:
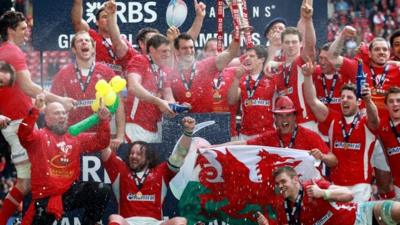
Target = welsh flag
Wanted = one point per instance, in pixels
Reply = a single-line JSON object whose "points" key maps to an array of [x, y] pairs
{"points": [[232, 183]]}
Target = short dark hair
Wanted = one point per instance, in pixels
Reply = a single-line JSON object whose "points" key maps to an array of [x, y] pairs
{"points": [[391, 90], [98, 11], [371, 45], [156, 41], [79, 33], [261, 51], [208, 41], [349, 87], [291, 30], [183, 36], [290, 171], [141, 35], [394, 35], [326, 46], [7, 68], [150, 154], [9, 19]]}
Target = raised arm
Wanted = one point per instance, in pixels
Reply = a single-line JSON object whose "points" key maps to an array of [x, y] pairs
{"points": [[78, 23], [337, 46], [120, 46], [194, 30], [31, 89], [309, 38], [26, 130], [319, 109], [234, 89], [225, 57], [300, 23], [90, 142], [135, 87], [177, 158], [120, 124], [372, 111]]}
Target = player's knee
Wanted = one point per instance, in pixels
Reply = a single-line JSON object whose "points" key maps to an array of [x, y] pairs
{"points": [[178, 221], [116, 219]]}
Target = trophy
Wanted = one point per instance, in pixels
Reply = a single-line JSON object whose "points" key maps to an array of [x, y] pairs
{"points": [[241, 23]]}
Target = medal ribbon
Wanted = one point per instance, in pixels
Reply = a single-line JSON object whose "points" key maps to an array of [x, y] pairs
{"points": [[292, 139], [250, 93], [379, 84], [157, 72], [109, 49], [394, 130], [286, 74], [187, 84], [217, 85], [328, 97], [346, 135], [79, 75], [140, 181], [293, 214], [220, 24]]}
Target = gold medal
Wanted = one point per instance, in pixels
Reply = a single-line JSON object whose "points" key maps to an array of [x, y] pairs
{"points": [[158, 94], [346, 146], [248, 102], [139, 194], [373, 91], [217, 96], [188, 94]]}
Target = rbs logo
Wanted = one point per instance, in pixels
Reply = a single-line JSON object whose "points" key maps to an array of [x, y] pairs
{"points": [[127, 12]]}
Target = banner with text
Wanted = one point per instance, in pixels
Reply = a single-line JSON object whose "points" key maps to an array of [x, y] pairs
{"points": [[52, 28]]}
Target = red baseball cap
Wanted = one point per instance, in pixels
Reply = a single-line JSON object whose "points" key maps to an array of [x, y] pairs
{"points": [[283, 104]]}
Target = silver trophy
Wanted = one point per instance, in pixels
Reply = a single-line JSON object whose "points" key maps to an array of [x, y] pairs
{"points": [[238, 9]]}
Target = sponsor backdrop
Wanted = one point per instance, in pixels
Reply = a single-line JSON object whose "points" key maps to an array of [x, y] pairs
{"points": [[53, 29]]}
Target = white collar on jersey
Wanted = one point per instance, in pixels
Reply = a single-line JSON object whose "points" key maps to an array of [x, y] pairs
{"points": [[349, 119]]}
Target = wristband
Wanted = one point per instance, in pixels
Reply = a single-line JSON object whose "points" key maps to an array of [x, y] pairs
{"points": [[327, 195], [188, 133]]}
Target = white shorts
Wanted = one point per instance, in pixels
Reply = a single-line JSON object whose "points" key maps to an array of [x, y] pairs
{"points": [[362, 192], [138, 220], [378, 159], [18, 153], [135, 132]]}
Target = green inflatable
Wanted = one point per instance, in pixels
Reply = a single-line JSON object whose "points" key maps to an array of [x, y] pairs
{"points": [[90, 121]]}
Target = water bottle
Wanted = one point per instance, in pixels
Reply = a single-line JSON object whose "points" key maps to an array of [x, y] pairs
{"points": [[360, 78], [177, 108]]}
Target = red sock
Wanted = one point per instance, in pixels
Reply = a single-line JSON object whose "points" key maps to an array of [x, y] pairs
{"points": [[9, 207], [114, 223]]}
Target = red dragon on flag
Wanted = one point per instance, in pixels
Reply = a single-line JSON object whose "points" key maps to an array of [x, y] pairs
{"points": [[232, 183]]}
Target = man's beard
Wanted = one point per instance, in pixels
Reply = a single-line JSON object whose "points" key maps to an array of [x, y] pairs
{"points": [[186, 61], [58, 129]]}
